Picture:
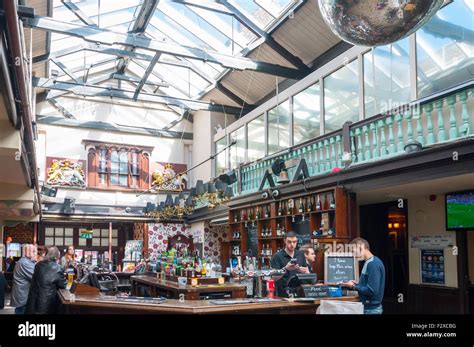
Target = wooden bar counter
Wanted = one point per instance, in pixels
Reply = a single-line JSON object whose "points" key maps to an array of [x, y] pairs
{"points": [[101, 304], [171, 290]]}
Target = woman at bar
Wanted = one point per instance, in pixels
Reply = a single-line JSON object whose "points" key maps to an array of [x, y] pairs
{"points": [[69, 259], [309, 255]]}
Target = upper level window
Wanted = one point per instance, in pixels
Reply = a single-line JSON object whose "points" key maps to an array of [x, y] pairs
{"points": [[341, 97], [445, 48], [118, 166]]}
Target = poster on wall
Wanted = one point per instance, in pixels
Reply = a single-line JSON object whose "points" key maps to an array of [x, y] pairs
{"points": [[133, 249], [433, 241], [432, 266]]}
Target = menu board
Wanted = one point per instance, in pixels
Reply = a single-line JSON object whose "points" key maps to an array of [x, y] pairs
{"points": [[432, 266], [340, 267], [252, 240]]}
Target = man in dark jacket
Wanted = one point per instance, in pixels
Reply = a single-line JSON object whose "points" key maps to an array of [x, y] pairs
{"points": [[22, 278], [47, 279], [3, 286]]}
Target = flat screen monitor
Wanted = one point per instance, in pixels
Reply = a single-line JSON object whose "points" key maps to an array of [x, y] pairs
{"points": [[460, 210]]}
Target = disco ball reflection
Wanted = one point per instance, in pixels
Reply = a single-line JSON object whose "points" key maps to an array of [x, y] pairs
{"points": [[376, 22]]}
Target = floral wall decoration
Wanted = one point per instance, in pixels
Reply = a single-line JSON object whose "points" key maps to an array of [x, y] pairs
{"points": [[213, 236], [158, 235], [62, 172]]}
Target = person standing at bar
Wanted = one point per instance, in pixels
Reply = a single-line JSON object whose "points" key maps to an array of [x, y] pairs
{"points": [[290, 259], [309, 255], [22, 276], [48, 277], [69, 259], [372, 279]]}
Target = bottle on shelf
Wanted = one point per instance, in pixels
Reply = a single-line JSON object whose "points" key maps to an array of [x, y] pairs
{"points": [[283, 232], [289, 208], [236, 217], [301, 206], [267, 212], [280, 209], [278, 230], [318, 203], [250, 215], [332, 204], [257, 216], [309, 205]]}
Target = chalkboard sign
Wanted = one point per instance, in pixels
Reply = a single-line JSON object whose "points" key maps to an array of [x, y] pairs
{"points": [[252, 240], [340, 267]]}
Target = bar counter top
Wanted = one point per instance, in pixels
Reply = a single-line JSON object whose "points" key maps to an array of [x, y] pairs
{"points": [[100, 304]]}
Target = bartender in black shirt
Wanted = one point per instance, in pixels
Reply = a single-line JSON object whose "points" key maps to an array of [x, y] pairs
{"points": [[283, 258]]}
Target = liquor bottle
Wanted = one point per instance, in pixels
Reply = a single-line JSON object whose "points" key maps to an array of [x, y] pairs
{"points": [[283, 232], [301, 206], [244, 215], [267, 212], [280, 209], [318, 204], [250, 215], [309, 205], [332, 204], [278, 230], [258, 213], [288, 208]]}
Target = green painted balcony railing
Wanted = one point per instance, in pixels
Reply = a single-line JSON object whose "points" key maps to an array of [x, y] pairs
{"points": [[440, 118]]}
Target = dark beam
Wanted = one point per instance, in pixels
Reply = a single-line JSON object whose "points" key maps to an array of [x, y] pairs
{"points": [[60, 108], [148, 71], [109, 37], [51, 120], [129, 78], [231, 95], [205, 6], [147, 10], [97, 91], [143, 18], [269, 40], [78, 13], [65, 69]]}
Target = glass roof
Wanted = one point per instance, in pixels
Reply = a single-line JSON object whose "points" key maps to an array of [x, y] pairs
{"points": [[202, 24]]}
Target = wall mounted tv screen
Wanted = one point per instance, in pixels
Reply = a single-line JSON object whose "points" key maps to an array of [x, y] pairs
{"points": [[460, 210]]}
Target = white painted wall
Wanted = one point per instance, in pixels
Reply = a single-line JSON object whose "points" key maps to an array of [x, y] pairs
{"points": [[66, 142], [205, 125], [427, 217]]}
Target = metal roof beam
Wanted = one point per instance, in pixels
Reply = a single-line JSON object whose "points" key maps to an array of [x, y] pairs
{"points": [[98, 91], [206, 6], [78, 13], [269, 40], [109, 37], [148, 71], [61, 109]]}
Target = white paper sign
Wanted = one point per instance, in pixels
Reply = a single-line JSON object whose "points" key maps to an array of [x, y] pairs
{"points": [[432, 241], [341, 307]]}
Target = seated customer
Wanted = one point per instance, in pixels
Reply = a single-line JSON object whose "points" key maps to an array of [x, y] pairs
{"points": [[282, 260], [47, 279]]}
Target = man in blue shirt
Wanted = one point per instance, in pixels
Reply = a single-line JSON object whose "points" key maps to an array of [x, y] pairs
{"points": [[371, 284]]}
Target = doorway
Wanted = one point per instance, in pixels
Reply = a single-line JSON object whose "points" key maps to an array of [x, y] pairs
{"points": [[385, 226]]}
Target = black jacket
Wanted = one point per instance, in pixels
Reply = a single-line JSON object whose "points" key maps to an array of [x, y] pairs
{"points": [[47, 279]]}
